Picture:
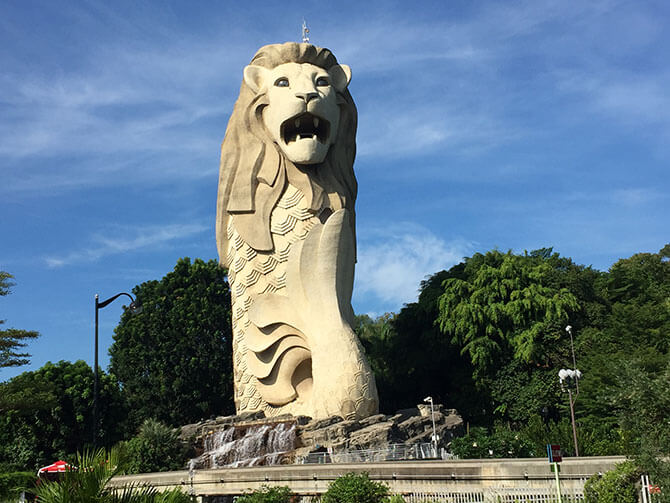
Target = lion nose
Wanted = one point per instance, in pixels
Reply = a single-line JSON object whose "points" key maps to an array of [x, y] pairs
{"points": [[307, 96]]}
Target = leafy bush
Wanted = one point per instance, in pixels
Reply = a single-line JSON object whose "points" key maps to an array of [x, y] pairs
{"points": [[501, 443], [156, 448], [615, 486], [355, 488], [267, 494], [12, 484]]}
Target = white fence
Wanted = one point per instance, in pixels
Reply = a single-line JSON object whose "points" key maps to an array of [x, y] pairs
{"points": [[649, 493], [489, 495]]}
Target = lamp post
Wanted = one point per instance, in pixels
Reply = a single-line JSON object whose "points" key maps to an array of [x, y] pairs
{"points": [[134, 308], [429, 399], [569, 379]]}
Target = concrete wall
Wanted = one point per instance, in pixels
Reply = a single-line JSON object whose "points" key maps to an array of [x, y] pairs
{"points": [[401, 476]]}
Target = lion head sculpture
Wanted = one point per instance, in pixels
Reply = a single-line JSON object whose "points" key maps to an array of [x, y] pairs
{"points": [[309, 141]]}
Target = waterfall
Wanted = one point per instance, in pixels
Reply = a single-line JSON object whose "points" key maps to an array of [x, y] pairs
{"points": [[247, 445]]}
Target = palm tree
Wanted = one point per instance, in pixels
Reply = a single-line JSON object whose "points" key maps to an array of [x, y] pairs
{"points": [[89, 482]]}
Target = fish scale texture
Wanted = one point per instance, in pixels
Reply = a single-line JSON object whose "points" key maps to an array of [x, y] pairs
{"points": [[252, 273]]}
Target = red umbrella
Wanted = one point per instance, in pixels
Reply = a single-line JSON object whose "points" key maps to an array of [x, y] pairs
{"points": [[57, 467]]}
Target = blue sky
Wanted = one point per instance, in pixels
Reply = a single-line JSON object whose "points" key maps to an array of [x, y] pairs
{"points": [[509, 124]]}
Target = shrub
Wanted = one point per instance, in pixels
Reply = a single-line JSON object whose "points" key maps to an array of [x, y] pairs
{"points": [[658, 468], [156, 448], [355, 488], [501, 443], [615, 486], [12, 484], [267, 494]]}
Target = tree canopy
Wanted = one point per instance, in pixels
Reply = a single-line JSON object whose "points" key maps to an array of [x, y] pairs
{"points": [[505, 302], [173, 359], [488, 338], [12, 340], [47, 414]]}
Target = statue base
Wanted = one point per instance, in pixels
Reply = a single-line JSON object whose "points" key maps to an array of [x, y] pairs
{"points": [[251, 439]]}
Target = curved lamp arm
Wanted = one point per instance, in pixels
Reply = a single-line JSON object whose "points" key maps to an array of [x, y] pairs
{"points": [[134, 305]]}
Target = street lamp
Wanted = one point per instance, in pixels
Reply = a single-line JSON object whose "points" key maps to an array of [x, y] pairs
{"points": [[429, 399], [569, 379], [135, 308]]}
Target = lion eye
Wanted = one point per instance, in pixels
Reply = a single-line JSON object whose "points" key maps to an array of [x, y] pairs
{"points": [[281, 82], [322, 82]]}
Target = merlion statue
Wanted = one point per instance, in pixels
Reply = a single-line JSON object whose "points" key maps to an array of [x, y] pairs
{"points": [[286, 232]]}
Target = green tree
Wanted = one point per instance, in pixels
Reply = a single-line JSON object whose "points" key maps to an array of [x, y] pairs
{"points": [[355, 488], [156, 448], [48, 414], [174, 358], [634, 335], [638, 289], [507, 314], [12, 339], [505, 302]]}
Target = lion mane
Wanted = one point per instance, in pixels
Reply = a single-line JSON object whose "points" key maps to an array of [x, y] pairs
{"points": [[254, 171]]}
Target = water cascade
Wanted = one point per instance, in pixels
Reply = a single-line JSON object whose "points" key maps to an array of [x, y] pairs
{"points": [[248, 445]]}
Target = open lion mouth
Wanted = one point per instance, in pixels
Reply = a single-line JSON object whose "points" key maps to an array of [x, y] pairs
{"points": [[305, 126]]}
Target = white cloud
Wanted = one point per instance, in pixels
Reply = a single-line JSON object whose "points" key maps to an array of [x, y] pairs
{"points": [[146, 237], [627, 98], [627, 197], [392, 265], [94, 115], [392, 131], [149, 103]]}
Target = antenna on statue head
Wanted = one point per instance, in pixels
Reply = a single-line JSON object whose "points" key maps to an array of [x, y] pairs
{"points": [[305, 32]]}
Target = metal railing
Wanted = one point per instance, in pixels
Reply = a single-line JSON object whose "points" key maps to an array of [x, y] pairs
{"points": [[489, 495], [394, 452]]}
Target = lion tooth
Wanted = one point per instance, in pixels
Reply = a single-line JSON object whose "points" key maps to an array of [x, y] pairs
{"points": [[316, 122], [314, 136]]}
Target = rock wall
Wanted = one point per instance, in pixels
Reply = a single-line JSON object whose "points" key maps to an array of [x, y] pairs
{"points": [[334, 434]]}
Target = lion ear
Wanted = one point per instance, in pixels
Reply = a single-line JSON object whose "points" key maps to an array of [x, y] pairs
{"points": [[255, 77], [340, 76]]}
